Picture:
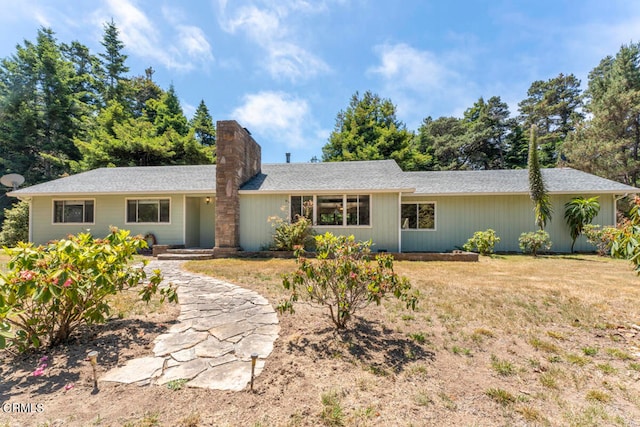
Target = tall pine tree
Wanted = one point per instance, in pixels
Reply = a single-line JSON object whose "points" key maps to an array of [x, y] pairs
{"points": [[114, 63], [202, 125]]}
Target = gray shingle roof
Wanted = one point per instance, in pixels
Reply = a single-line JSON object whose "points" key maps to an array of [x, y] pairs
{"points": [[322, 177], [375, 175], [559, 180], [148, 179]]}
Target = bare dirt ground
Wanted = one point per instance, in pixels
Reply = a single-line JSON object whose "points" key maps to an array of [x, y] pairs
{"points": [[507, 341]]}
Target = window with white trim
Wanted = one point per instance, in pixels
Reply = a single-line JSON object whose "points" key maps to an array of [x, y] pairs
{"points": [[418, 216], [148, 210], [73, 211], [333, 210]]}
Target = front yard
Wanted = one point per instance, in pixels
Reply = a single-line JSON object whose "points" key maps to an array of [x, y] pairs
{"points": [[510, 340]]}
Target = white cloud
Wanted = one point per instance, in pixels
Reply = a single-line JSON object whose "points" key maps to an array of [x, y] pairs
{"points": [[277, 116], [420, 81], [411, 68], [271, 28], [182, 50]]}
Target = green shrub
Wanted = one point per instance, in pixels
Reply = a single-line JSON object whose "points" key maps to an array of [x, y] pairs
{"points": [[344, 278], [289, 234], [600, 237], [15, 227], [533, 241], [49, 291], [626, 239], [482, 242]]}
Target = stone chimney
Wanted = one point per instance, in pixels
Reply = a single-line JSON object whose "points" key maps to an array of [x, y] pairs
{"points": [[239, 159]]}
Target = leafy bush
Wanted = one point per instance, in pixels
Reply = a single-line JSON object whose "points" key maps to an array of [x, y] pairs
{"points": [[482, 242], [533, 241], [49, 291], [291, 233], [15, 227], [600, 237], [626, 240], [344, 279]]}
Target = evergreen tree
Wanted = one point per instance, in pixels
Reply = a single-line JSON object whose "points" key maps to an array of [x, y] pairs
{"points": [[554, 107], [369, 130], [609, 143], [139, 90], [443, 140], [167, 113], [202, 125], [40, 111], [537, 188], [487, 125], [113, 62]]}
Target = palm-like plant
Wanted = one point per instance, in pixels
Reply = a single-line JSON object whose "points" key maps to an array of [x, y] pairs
{"points": [[537, 189], [579, 212]]}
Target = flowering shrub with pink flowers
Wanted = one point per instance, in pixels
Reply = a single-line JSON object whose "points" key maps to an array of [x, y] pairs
{"points": [[344, 278], [48, 291]]}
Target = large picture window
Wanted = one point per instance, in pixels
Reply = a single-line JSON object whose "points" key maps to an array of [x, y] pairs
{"points": [[73, 211], [338, 210], [418, 216], [148, 210]]}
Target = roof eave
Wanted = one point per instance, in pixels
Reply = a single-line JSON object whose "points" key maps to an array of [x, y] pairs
{"points": [[324, 191]]}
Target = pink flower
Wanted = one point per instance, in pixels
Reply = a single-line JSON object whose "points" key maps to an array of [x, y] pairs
{"points": [[353, 275], [44, 359], [67, 283], [38, 372], [27, 275], [68, 386]]}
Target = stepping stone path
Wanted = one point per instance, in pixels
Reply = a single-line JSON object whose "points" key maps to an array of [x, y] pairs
{"points": [[220, 325]]}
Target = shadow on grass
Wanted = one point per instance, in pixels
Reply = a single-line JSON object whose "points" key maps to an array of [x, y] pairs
{"points": [[369, 342], [66, 362]]}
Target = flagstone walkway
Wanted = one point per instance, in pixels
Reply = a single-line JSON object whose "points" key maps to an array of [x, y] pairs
{"points": [[220, 325]]}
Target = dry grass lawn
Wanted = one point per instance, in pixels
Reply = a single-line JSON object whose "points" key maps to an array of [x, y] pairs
{"points": [[510, 340]]}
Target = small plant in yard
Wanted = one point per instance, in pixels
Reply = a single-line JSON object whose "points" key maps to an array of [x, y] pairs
{"points": [[598, 396], [606, 368], [177, 384], [482, 242], [589, 351], [534, 241], [619, 354], [332, 414], [502, 367], [344, 278], [418, 337], [50, 291], [501, 396]]}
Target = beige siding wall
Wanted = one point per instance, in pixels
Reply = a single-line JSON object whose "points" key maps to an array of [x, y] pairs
{"points": [[257, 233], [458, 217], [109, 210]]}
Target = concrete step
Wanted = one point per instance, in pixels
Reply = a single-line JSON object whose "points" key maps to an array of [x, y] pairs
{"points": [[184, 256], [190, 251]]}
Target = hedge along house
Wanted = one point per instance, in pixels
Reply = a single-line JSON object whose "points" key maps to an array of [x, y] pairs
{"points": [[227, 206]]}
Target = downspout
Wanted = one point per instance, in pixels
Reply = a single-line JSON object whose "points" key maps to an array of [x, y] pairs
{"points": [[399, 221]]}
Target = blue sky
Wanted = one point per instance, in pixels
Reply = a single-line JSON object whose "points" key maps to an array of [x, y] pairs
{"points": [[285, 68]]}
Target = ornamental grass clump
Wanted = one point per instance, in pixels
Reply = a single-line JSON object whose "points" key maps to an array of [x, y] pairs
{"points": [[344, 278], [49, 291]]}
